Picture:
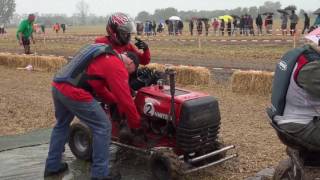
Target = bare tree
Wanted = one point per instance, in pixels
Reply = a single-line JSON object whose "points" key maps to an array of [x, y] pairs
{"points": [[83, 10], [7, 8]]}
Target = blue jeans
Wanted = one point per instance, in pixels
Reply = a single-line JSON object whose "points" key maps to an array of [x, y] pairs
{"points": [[91, 114]]}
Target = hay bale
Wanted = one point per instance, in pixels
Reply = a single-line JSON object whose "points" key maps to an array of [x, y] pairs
{"points": [[43, 63], [186, 75], [252, 82]]}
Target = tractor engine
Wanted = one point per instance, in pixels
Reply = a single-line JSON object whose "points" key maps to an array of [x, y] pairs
{"points": [[194, 124]]}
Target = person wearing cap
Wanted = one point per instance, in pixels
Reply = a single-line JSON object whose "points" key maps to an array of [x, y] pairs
{"points": [[25, 33], [296, 94], [111, 87], [119, 28]]}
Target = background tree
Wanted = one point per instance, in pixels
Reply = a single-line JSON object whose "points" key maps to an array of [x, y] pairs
{"points": [[83, 11], [143, 16], [7, 8], [165, 13]]}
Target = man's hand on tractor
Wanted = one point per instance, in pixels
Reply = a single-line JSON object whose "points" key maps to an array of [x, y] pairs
{"points": [[141, 44], [132, 136]]}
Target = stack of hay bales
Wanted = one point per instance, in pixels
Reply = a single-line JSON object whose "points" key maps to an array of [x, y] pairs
{"points": [[252, 82], [42, 63], [186, 75]]}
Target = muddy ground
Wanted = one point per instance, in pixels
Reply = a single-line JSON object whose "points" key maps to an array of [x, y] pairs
{"points": [[25, 105]]}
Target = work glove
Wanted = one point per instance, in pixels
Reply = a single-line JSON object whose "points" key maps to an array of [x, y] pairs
{"points": [[141, 44]]}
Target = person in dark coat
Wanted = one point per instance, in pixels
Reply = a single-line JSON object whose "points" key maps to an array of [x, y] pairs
{"points": [[259, 23], [222, 27], [199, 26], [191, 27], [241, 25], [229, 25], [306, 23]]}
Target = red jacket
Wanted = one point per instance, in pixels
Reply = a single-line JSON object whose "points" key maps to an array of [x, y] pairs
{"points": [[144, 57], [115, 80]]}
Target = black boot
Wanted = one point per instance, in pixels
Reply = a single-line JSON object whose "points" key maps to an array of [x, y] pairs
{"points": [[63, 168]]}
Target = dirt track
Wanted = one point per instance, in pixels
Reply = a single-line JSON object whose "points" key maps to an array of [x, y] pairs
{"points": [[25, 104]]}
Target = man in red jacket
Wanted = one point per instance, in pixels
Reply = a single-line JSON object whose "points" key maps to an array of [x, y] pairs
{"points": [[119, 28], [69, 101]]}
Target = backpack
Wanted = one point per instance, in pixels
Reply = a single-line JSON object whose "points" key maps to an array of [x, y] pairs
{"points": [[74, 72]]}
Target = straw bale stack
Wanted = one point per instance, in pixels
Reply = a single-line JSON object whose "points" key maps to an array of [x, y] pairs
{"points": [[252, 82], [186, 75], [41, 63]]}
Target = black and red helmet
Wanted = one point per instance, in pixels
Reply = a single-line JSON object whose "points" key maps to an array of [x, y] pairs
{"points": [[119, 27]]}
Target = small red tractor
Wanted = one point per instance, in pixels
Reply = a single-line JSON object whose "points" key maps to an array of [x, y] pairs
{"points": [[181, 127]]}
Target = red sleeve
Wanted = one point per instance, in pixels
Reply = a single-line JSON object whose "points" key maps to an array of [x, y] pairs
{"points": [[300, 63], [118, 83], [102, 92], [143, 56]]}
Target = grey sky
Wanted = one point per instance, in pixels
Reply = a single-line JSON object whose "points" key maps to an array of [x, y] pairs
{"points": [[133, 7]]}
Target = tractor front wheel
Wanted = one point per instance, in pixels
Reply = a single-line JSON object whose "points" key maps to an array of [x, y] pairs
{"points": [[165, 165]]}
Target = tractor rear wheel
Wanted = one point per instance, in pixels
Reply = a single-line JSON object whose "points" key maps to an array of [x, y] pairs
{"points": [[80, 141], [165, 165]]}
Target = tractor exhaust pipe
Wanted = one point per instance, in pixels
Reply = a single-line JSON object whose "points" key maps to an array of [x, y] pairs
{"points": [[172, 84]]}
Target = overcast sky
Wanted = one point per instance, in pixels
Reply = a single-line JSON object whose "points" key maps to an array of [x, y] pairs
{"points": [[133, 7]]}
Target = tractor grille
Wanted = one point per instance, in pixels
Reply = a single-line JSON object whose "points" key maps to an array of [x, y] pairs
{"points": [[199, 124]]}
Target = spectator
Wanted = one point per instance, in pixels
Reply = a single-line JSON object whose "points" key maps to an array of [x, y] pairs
{"points": [[25, 33], [293, 22], [139, 28], [2, 29], [150, 28], [284, 23], [235, 25], [259, 24], [171, 27], [222, 27], [229, 26], [215, 25], [154, 26], [180, 27], [199, 26], [56, 27], [317, 21], [242, 25], [306, 23], [63, 27], [191, 27], [206, 26], [246, 24], [250, 25], [43, 28], [160, 28], [269, 23]]}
